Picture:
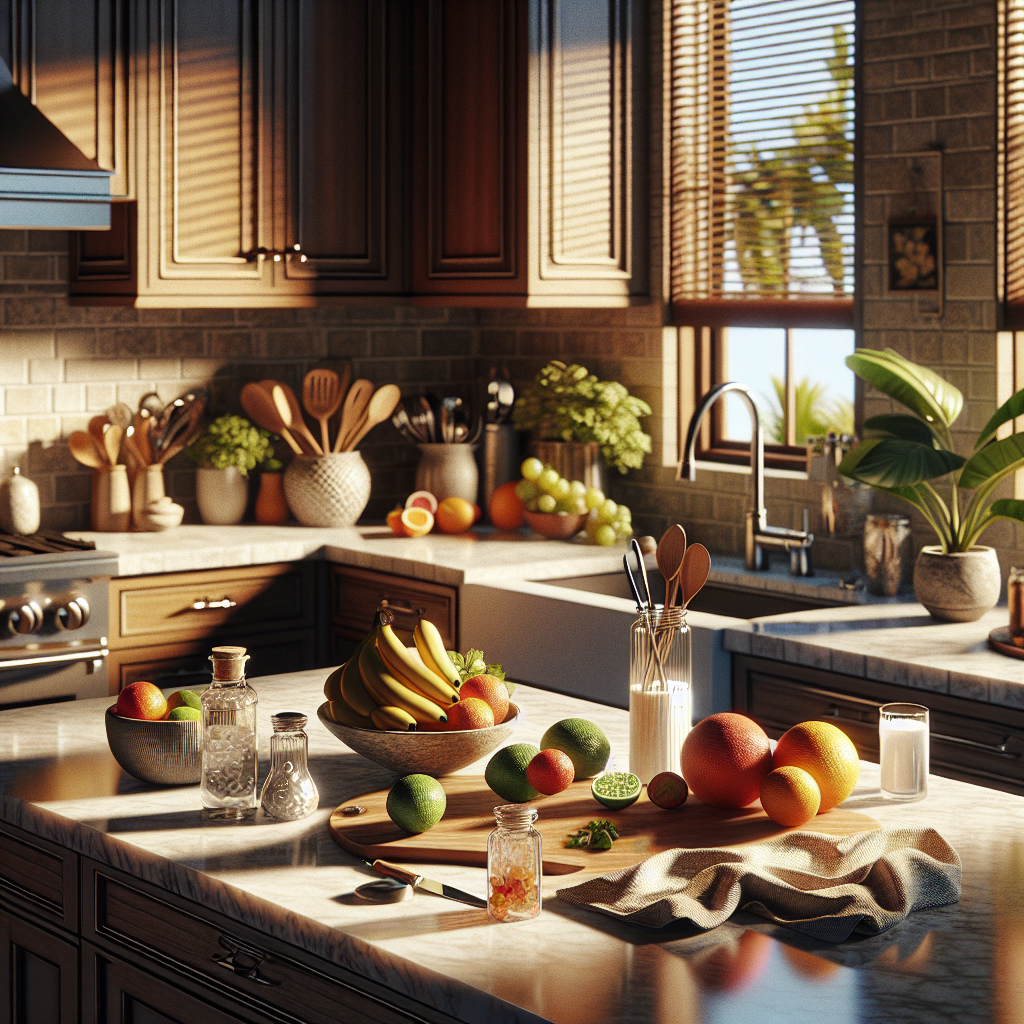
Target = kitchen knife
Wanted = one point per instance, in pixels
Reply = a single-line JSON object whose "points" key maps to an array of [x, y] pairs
{"points": [[400, 874]]}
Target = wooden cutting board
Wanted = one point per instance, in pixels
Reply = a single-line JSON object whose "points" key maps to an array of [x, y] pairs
{"points": [[460, 837]]}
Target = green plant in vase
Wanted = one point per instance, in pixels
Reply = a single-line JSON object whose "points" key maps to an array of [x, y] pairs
{"points": [[231, 440]]}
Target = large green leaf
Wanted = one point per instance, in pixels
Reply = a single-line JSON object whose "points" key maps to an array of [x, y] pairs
{"points": [[918, 388], [1007, 508], [895, 462], [994, 460], [910, 428], [1009, 410]]}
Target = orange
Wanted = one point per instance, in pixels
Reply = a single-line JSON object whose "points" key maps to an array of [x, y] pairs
{"points": [[470, 714], [507, 508], [491, 691], [827, 754], [416, 521], [454, 515], [142, 700], [550, 771], [477, 513], [394, 520], [725, 757], [790, 796]]}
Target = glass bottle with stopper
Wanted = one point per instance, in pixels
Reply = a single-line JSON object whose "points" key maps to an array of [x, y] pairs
{"points": [[228, 775], [289, 793]]}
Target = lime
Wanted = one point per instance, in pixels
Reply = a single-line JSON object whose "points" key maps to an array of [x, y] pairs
{"points": [[584, 742], [616, 789], [416, 803], [506, 773], [185, 699], [184, 714]]}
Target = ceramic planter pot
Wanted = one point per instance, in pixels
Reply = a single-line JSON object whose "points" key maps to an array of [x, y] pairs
{"points": [[222, 495], [575, 460], [327, 490], [957, 587]]}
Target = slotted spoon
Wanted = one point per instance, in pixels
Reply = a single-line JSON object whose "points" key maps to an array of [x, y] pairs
{"points": [[322, 395]]}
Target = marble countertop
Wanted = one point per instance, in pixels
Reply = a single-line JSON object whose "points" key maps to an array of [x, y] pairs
{"points": [[570, 966]]}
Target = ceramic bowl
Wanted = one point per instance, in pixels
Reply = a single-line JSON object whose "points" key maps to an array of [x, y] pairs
{"points": [[427, 753], [165, 753], [556, 525]]}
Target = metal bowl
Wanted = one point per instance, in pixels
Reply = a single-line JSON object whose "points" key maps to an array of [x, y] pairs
{"points": [[427, 753], [165, 753], [556, 525]]}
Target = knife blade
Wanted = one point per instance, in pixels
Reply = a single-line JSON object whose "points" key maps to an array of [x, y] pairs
{"points": [[400, 874]]}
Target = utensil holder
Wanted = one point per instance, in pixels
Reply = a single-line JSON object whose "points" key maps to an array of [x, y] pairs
{"points": [[327, 490], [448, 471], [660, 705], [111, 500], [147, 487], [500, 459]]}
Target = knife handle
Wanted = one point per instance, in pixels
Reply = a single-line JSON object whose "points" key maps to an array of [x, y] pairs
{"points": [[395, 871]]}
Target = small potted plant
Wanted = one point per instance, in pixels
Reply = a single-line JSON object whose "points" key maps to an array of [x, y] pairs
{"points": [[956, 579], [225, 452], [568, 406]]}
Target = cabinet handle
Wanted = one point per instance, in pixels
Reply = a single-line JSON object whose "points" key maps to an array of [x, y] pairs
{"points": [[999, 749], [400, 607], [243, 960], [206, 604], [833, 715]]}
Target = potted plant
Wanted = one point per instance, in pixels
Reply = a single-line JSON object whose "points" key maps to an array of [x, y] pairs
{"points": [[956, 579], [225, 452], [568, 406]]}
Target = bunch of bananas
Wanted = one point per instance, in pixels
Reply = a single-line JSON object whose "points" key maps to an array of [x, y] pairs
{"points": [[386, 685]]}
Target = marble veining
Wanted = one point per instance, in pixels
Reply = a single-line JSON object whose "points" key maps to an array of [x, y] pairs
{"points": [[290, 881]]}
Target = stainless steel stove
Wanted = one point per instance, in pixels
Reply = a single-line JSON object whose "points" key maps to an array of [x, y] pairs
{"points": [[53, 619]]}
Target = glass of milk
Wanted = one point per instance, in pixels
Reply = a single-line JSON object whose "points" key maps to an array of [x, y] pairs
{"points": [[903, 743]]}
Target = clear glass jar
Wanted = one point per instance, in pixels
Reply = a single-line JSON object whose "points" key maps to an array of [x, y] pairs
{"points": [[227, 784], [289, 793], [660, 705], [514, 865]]}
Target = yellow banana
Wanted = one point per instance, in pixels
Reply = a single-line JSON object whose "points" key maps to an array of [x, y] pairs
{"points": [[332, 685], [388, 691], [341, 712], [390, 718], [435, 657], [352, 689], [406, 663]]}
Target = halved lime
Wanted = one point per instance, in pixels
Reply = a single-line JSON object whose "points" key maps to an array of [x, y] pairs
{"points": [[616, 789]]}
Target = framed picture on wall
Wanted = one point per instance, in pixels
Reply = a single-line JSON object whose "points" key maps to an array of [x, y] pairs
{"points": [[914, 255]]}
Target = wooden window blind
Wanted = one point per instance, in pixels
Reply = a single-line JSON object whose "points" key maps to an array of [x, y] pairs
{"points": [[1012, 162], [762, 162]]}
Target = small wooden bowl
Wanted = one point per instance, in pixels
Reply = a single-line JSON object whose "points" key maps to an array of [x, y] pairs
{"points": [[164, 753], [427, 753], [556, 525]]}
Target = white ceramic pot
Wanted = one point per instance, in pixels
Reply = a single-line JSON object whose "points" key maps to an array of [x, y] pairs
{"points": [[957, 587], [327, 490], [448, 471], [222, 495]]}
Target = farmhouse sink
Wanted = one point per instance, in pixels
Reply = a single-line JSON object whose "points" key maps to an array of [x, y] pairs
{"points": [[716, 598]]}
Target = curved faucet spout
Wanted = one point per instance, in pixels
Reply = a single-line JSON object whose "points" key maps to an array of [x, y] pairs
{"points": [[688, 469]]}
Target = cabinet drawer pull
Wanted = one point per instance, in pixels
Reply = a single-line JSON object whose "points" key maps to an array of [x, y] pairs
{"points": [[833, 715], [207, 605], [999, 749], [403, 608], [243, 960]]}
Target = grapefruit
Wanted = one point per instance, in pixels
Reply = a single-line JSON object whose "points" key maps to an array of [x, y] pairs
{"points": [[550, 772], [506, 773], [585, 743], [489, 689], [827, 754], [724, 760], [790, 796], [416, 803], [417, 521], [473, 713], [455, 515], [507, 508], [422, 499], [667, 790], [142, 700]]}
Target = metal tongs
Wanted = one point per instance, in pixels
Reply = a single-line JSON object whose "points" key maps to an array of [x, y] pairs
{"points": [[643, 601]]}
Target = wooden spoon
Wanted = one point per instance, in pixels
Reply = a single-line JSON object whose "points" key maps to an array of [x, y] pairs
{"points": [[260, 408], [112, 442], [83, 448], [353, 412], [293, 420], [140, 423], [382, 404], [669, 556], [694, 573], [322, 396], [96, 427]]}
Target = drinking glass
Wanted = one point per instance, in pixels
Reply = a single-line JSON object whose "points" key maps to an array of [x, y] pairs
{"points": [[903, 744]]}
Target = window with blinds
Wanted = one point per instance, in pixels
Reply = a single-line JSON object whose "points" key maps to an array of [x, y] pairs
{"points": [[762, 162], [1012, 162]]}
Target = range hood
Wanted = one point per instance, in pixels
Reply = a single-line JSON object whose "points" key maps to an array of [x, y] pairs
{"points": [[46, 181]]}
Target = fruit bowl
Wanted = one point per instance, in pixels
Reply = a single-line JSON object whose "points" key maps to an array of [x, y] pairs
{"points": [[164, 753], [428, 753], [556, 525]]}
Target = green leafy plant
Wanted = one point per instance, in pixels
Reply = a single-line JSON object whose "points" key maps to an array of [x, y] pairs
{"points": [[232, 441], [814, 410], [599, 834], [472, 664], [908, 452], [568, 403]]}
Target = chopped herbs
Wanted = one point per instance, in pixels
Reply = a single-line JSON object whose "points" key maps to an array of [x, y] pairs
{"points": [[598, 835]]}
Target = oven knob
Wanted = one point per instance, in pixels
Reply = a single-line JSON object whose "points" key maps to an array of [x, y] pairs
{"points": [[27, 618], [72, 614]]}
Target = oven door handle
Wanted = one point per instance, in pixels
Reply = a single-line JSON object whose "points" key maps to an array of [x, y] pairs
{"points": [[58, 658]]}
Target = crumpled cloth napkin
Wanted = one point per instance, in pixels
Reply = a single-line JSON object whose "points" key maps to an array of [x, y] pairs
{"points": [[825, 886]]}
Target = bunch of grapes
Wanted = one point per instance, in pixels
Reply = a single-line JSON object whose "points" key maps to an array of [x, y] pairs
{"points": [[543, 489]]}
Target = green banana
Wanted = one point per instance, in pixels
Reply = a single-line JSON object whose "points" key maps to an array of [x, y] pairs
{"points": [[388, 691]]}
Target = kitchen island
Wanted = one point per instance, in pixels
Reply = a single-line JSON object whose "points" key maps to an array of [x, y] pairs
{"points": [[435, 960]]}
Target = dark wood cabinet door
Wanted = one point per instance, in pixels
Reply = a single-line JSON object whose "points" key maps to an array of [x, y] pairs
{"points": [[469, 165], [72, 58], [342, 78], [38, 975]]}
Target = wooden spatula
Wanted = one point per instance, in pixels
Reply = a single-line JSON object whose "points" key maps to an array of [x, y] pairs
{"points": [[259, 407], [694, 573], [322, 396], [669, 556], [382, 404], [291, 415], [353, 412]]}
